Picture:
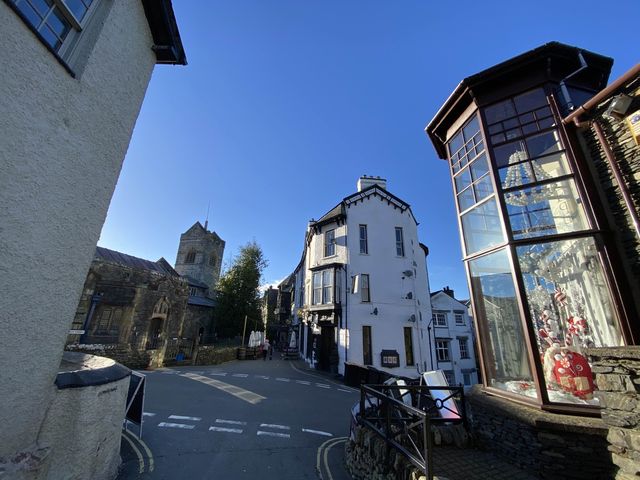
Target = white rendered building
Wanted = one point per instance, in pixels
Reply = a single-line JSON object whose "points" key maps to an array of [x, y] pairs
{"points": [[452, 332], [365, 287]]}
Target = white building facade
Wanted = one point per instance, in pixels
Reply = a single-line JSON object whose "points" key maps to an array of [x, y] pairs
{"points": [[453, 337], [364, 285]]}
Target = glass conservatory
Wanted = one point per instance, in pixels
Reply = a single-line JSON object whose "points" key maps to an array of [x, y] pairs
{"points": [[538, 266]]}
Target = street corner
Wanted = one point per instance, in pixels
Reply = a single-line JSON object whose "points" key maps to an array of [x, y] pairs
{"points": [[136, 456]]}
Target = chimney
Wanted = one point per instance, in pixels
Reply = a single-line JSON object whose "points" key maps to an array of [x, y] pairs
{"points": [[365, 182], [448, 291]]}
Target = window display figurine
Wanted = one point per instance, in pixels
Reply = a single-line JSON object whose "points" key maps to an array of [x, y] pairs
{"points": [[569, 370]]}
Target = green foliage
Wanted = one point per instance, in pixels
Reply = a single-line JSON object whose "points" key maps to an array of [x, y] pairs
{"points": [[237, 291]]}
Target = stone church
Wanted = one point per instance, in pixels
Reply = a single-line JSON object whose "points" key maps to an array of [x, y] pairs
{"points": [[145, 313]]}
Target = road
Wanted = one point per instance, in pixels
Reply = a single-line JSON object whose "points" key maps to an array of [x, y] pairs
{"points": [[244, 419]]}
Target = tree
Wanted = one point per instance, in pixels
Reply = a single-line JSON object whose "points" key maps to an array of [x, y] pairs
{"points": [[237, 291]]}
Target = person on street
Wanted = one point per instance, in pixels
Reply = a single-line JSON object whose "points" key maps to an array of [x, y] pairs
{"points": [[265, 349]]}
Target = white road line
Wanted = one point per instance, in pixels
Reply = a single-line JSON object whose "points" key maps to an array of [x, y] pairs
{"points": [[176, 425], [303, 382], [180, 417], [226, 430], [273, 434], [148, 414], [345, 390], [218, 374], [241, 375], [230, 422], [241, 393], [323, 385], [264, 377], [271, 425], [318, 432], [280, 379]]}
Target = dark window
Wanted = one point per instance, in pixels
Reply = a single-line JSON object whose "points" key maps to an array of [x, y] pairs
{"points": [[191, 257], [399, 242], [364, 288], [367, 357], [408, 345], [464, 348], [329, 243], [442, 350], [364, 247], [212, 260]]}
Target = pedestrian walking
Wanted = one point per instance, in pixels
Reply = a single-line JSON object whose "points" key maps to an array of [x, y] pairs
{"points": [[265, 348]]}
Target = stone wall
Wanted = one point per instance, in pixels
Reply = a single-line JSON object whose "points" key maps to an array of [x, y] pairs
{"points": [[212, 355], [368, 458], [123, 354], [550, 445], [617, 372]]}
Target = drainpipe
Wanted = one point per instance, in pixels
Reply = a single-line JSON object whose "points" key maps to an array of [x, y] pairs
{"points": [[613, 165], [430, 346], [563, 87]]}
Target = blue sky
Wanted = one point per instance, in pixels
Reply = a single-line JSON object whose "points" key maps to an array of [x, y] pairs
{"points": [[285, 103]]}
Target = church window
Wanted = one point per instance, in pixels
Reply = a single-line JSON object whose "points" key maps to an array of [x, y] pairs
{"points": [[191, 257], [212, 260]]}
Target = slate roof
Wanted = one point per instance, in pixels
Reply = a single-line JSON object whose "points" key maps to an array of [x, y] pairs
{"points": [[201, 301], [195, 283], [120, 258]]}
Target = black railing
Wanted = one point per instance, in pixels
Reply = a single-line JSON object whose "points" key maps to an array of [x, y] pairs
{"points": [[403, 414]]}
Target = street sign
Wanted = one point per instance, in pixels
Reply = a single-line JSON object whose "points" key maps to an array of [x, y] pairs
{"points": [[135, 400], [76, 332]]}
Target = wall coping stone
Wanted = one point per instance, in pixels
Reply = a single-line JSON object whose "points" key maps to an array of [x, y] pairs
{"points": [[536, 417], [82, 370], [632, 352]]}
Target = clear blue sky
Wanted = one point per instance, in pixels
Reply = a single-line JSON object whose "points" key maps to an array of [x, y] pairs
{"points": [[285, 103]]}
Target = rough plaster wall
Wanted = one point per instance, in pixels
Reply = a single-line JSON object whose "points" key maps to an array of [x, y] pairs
{"points": [[62, 142], [72, 429]]}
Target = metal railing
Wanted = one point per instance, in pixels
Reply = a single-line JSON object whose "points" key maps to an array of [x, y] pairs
{"points": [[402, 416]]}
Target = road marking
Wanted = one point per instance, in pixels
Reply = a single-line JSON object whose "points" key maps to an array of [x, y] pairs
{"points": [[323, 452], [241, 375], [303, 382], [272, 425], [230, 422], [176, 425], [318, 432], [147, 450], [226, 430], [318, 376], [241, 393], [273, 434], [323, 385], [345, 390], [218, 374], [137, 452], [180, 417], [148, 414], [264, 377], [280, 379]]}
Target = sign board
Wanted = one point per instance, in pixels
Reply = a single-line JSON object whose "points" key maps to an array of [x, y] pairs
{"points": [[633, 123], [135, 400], [390, 358], [76, 332], [436, 378]]}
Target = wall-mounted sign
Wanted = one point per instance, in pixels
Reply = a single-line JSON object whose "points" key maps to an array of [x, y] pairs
{"points": [[633, 123], [390, 358], [76, 332]]}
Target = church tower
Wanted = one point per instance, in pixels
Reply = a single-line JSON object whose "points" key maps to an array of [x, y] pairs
{"points": [[199, 256]]}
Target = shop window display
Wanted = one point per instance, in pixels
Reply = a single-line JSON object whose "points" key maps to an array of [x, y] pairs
{"points": [[571, 308]]}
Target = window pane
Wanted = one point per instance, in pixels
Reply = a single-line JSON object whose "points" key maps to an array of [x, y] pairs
{"points": [[483, 188], [466, 199], [530, 100], [551, 166], [58, 24], [50, 37], [499, 111], [76, 7], [364, 247], [545, 210], [504, 346], [30, 13], [543, 144], [513, 152], [367, 357], [463, 180], [479, 167], [408, 345], [517, 175], [42, 6], [471, 128], [455, 144], [571, 307], [481, 227]]}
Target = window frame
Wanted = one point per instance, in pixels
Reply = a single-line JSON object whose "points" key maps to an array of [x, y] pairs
{"points": [[458, 316], [367, 345], [443, 350], [365, 286], [463, 346], [364, 239], [435, 317], [400, 242], [190, 257], [329, 243], [408, 346], [319, 290]]}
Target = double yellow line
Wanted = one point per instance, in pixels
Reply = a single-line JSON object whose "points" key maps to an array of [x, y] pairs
{"points": [[322, 457], [141, 450]]}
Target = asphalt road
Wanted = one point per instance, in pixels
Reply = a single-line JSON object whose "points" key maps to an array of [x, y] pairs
{"points": [[249, 419]]}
